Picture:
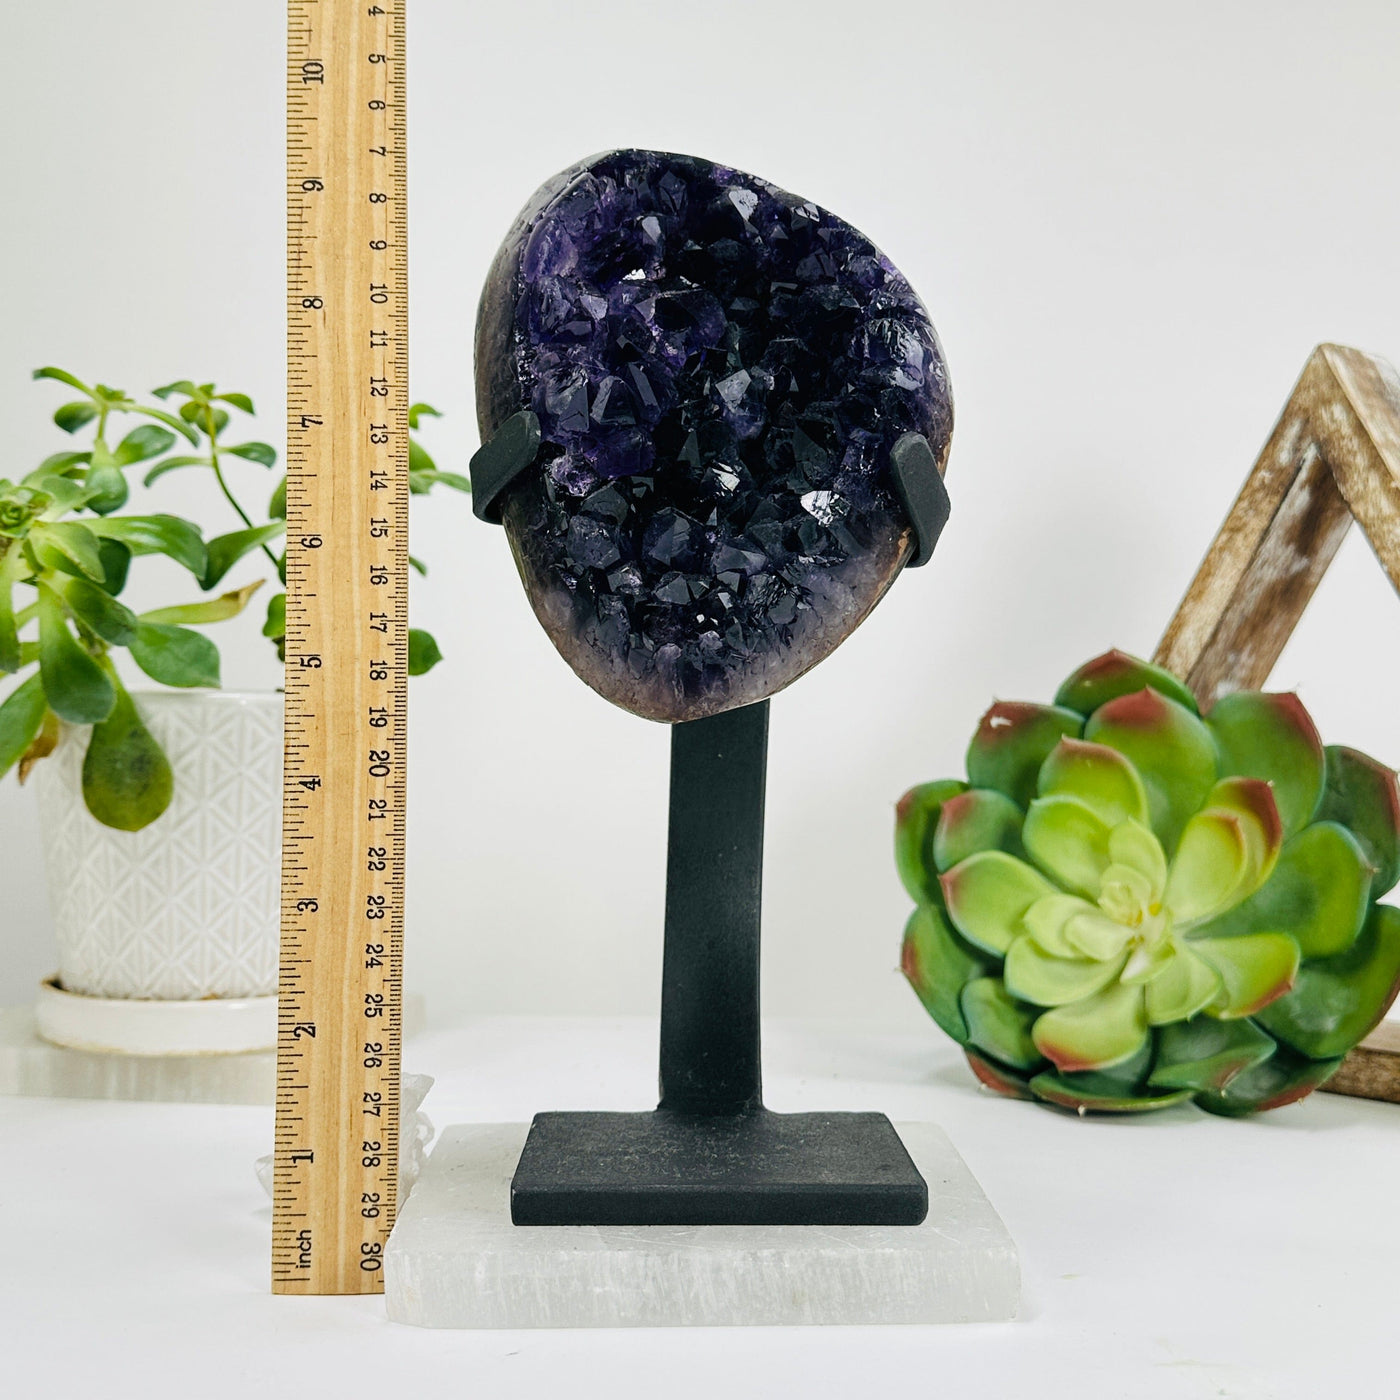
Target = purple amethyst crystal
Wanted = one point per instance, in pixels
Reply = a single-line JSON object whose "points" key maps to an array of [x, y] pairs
{"points": [[719, 370]]}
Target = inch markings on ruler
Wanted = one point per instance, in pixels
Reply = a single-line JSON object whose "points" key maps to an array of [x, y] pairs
{"points": [[335, 1173]]}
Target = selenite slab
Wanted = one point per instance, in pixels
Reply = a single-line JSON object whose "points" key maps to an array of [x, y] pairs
{"points": [[30, 1065], [33, 1067], [455, 1259]]}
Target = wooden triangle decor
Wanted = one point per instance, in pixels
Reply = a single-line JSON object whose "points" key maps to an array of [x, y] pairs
{"points": [[1333, 457]]}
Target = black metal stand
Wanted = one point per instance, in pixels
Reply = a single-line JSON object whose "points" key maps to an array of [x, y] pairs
{"points": [[711, 1154]]}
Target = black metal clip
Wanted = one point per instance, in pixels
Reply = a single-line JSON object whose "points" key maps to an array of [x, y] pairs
{"points": [[495, 464], [919, 486]]}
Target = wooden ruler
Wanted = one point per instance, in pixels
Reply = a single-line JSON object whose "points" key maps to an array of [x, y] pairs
{"points": [[337, 1146]]}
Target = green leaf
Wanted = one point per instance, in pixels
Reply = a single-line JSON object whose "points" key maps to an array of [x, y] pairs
{"points": [[1282, 1079], [21, 716], [175, 655], [1090, 933], [226, 550], [419, 411], [1272, 737], [1255, 969], [1318, 893], [1185, 986], [143, 443], [1036, 976], [172, 464], [1100, 777], [1211, 863], [61, 543], [276, 624], [423, 653], [116, 560], [9, 631], [418, 566], [1336, 1002], [238, 401], [998, 1078], [915, 825], [157, 534], [112, 621], [204, 416], [1095, 1033], [178, 386], [1361, 795], [277, 506], [998, 1024], [62, 375], [1133, 845], [65, 494], [937, 964], [1092, 1092], [987, 897], [1069, 842], [977, 820], [420, 464], [57, 464], [1113, 674], [1119, 1088], [1251, 801], [1204, 1053], [424, 480], [105, 484], [127, 780], [219, 609], [1171, 749], [72, 416], [260, 452], [76, 684], [171, 421], [1013, 740], [1048, 921]]}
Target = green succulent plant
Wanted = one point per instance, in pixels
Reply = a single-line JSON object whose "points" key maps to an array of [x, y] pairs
{"points": [[1128, 904], [65, 557]]}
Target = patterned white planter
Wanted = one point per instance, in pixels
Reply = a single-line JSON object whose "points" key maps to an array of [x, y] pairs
{"points": [[187, 908]]}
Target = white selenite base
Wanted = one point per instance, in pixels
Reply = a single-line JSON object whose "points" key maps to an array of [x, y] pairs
{"points": [[455, 1259], [32, 1066]]}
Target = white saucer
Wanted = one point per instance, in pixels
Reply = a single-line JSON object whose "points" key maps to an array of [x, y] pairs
{"points": [[215, 1026]]}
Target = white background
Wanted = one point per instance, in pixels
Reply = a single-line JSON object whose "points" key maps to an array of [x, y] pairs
{"points": [[1131, 224]]}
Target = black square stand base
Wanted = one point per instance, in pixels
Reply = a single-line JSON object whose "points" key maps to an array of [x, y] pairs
{"points": [[753, 1168]]}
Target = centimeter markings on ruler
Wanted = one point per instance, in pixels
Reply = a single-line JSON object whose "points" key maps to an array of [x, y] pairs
{"points": [[335, 1168]]}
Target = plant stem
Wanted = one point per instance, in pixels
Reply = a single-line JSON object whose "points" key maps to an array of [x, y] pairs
{"points": [[228, 495]]}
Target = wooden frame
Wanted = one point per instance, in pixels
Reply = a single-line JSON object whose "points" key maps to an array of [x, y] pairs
{"points": [[1333, 457]]}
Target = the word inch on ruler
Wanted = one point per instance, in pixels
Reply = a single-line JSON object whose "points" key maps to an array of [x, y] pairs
{"points": [[339, 998]]}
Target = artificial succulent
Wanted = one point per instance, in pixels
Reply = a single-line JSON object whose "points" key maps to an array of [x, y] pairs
{"points": [[1129, 904]]}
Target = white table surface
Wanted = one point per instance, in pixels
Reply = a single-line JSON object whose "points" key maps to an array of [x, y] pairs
{"points": [[1172, 1256]]}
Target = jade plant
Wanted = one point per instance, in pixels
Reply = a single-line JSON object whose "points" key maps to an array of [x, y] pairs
{"points": [[1129, 904], [65, 556], [204, 410]]}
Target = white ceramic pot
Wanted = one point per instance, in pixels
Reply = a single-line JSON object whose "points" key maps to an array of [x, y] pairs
{"points": [[186, 909]]}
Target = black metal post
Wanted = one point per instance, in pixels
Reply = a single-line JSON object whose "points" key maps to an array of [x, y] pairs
{"points": [[710, 1153], [710, 1058]]}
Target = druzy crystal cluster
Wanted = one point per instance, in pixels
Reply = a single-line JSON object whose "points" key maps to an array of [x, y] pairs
{"points": [[720, 370]]}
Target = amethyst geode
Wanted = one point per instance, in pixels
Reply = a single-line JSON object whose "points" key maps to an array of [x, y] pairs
{"points": [[720, 370]]}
